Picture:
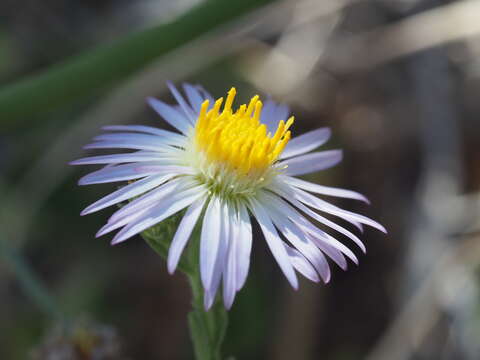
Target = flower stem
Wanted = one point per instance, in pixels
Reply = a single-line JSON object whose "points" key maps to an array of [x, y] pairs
{"points": [[207, 328]]}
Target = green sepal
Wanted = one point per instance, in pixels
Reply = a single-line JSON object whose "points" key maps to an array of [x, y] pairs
{"points": [[160, 236]]}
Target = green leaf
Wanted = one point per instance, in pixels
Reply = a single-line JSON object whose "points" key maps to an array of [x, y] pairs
{"points": [[99, 69]]}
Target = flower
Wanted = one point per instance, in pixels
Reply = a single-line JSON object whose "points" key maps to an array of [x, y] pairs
{"points": [[228, 165]]}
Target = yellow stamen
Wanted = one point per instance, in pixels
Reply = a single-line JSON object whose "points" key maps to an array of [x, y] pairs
{"points": [[237, 139]]}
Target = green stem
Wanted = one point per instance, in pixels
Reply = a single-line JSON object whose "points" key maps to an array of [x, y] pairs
{"points": [[207, 328]]}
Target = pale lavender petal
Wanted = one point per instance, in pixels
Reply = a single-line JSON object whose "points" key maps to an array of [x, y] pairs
{"points": [[324, 190], [183, 233], [114, 174], [114, 225], [274, 242], [293, 198], [194, 97], [306, 142], [134, 144], [307, 226], [127, 192], [172, 139], [161, 168], [267, 116], [322, 205], [332, 252], [312, 162], [152, 197], [301, 264], [140, 128], [300, 241], [317, 234], [289, 192], [281, 112], [329, 223], [230, 265], [210, 242], [183, 104], [138, 156], [324, 268], [210, 293], [168, 207], [174, 117], [244, 246]]}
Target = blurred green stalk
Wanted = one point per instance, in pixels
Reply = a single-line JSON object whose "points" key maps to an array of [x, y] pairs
{"points": [[96, 70], [30, 283]]}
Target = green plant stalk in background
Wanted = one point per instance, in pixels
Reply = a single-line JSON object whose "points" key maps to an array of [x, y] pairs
{"points": [[207, 328], [30, 282], [88, 73]]}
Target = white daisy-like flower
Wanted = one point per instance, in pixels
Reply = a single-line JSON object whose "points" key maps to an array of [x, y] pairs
{"points": [[225, 166]]}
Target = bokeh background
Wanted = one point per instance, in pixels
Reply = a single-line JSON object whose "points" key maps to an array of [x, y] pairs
{"points": [[398, 81]]}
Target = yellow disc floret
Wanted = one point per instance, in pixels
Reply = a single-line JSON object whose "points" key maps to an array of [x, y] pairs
{"points": [[237, 139]]}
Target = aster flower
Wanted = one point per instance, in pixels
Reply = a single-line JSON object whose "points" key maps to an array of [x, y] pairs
{"points": [[223, 166]]}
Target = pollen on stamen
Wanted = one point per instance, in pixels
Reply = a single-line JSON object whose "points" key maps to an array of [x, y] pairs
{"points": [[236, 139]]}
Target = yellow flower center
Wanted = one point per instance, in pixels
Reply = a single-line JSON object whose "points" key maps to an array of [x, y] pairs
{"points": [[237, 139]]}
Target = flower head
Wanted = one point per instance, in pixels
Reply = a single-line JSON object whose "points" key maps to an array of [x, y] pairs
{"points": [[225, 165]]}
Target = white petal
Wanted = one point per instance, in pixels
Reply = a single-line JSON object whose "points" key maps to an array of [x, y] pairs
{"points": [[183, 104], [174, 117], [274, 242], [301, 264], [167, 208], [244, 246], [183, 233], [324, 190], [312, 162], [210, 242], [127, 192], [306, 142]]}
